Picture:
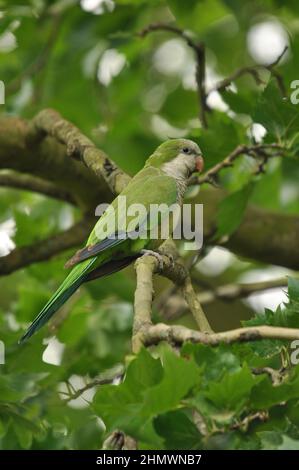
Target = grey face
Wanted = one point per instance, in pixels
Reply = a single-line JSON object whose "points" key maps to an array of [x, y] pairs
{"points": [[192, 156], [191, 148]]}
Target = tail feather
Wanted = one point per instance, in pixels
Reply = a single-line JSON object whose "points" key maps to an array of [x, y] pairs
{"points": [[76, 277], [48, 311], [80, 274]]}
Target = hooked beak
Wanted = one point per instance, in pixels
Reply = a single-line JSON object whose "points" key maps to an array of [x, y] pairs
{"points": [[199, 163]]}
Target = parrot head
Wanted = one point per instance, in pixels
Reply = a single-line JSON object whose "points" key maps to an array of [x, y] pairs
{"points": [[178, 158]]}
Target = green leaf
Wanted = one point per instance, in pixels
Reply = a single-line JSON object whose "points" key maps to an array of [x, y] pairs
{"points": [[24, 435], [197, 14], [268, 183], [286, 315], [143, 372], [233, 390], [242, 103], [177, 430], [120, 406], [231, 211], [293, 289], [230, 134], [270, 440], [277, 114], [180, 375], [213, 362], [188, 107], [264, 395], [146, 392], [288, 444]]}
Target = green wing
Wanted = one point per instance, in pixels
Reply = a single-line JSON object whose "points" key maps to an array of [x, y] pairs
{"points": [[149, 186]]}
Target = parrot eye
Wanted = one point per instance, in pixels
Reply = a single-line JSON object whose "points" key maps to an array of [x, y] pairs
{"points": [[186, 150]]}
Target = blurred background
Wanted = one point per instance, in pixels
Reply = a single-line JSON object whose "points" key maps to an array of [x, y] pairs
{"points": [[129, 93]]}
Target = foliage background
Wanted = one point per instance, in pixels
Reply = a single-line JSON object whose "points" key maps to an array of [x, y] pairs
{"points": [[128, 94]]}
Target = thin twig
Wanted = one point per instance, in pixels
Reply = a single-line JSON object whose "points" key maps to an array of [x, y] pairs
{"points": [[230, 292], [253, 70], [194, 304], [253, 151], [276, 376], [244, 423], [92, 384], [199, 51], [174, 305]]}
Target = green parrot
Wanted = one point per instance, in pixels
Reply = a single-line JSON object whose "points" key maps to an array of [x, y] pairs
{"points": [[163, 180]]}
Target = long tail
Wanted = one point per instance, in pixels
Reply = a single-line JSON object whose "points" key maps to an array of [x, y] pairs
{"points": [[48, 311], [73, 281], [80, 274]]}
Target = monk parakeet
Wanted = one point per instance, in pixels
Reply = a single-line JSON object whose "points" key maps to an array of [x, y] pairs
{"points": [[163, 180]]}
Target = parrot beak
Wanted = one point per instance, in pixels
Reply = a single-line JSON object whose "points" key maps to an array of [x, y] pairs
{"points": [[199, 163]]}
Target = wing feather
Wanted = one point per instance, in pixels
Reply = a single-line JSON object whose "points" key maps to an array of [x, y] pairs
{"points": [[156, 189]]}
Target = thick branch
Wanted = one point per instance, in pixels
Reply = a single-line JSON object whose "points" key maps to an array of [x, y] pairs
{"points": [[42, 147], [22, 149], [49, 122], [265, 236], [45, 249], [34, 184]]}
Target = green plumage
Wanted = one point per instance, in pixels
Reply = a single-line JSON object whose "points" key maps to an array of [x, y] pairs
{"points": [[150, 186]]}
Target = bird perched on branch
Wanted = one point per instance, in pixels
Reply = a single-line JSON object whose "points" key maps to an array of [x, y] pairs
{"points": [[163, 180]]}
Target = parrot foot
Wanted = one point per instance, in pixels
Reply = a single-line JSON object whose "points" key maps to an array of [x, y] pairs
{"points": [[156, 255], [171, 258]]}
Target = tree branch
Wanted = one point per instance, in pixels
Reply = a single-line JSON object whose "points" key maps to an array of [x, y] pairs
{"points": [[146, 267], [45, 249], [174, 306], [42, 148], [145, 333], [230, 292], [49, 122], [266, 236], [178, 335], [22, 149], [194, 304], [253, 151], [253, 70], [94, 383], [34, 184]]}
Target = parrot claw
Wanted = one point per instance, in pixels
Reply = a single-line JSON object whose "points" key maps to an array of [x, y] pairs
{"points": [[156, 255], [171, 259]]}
